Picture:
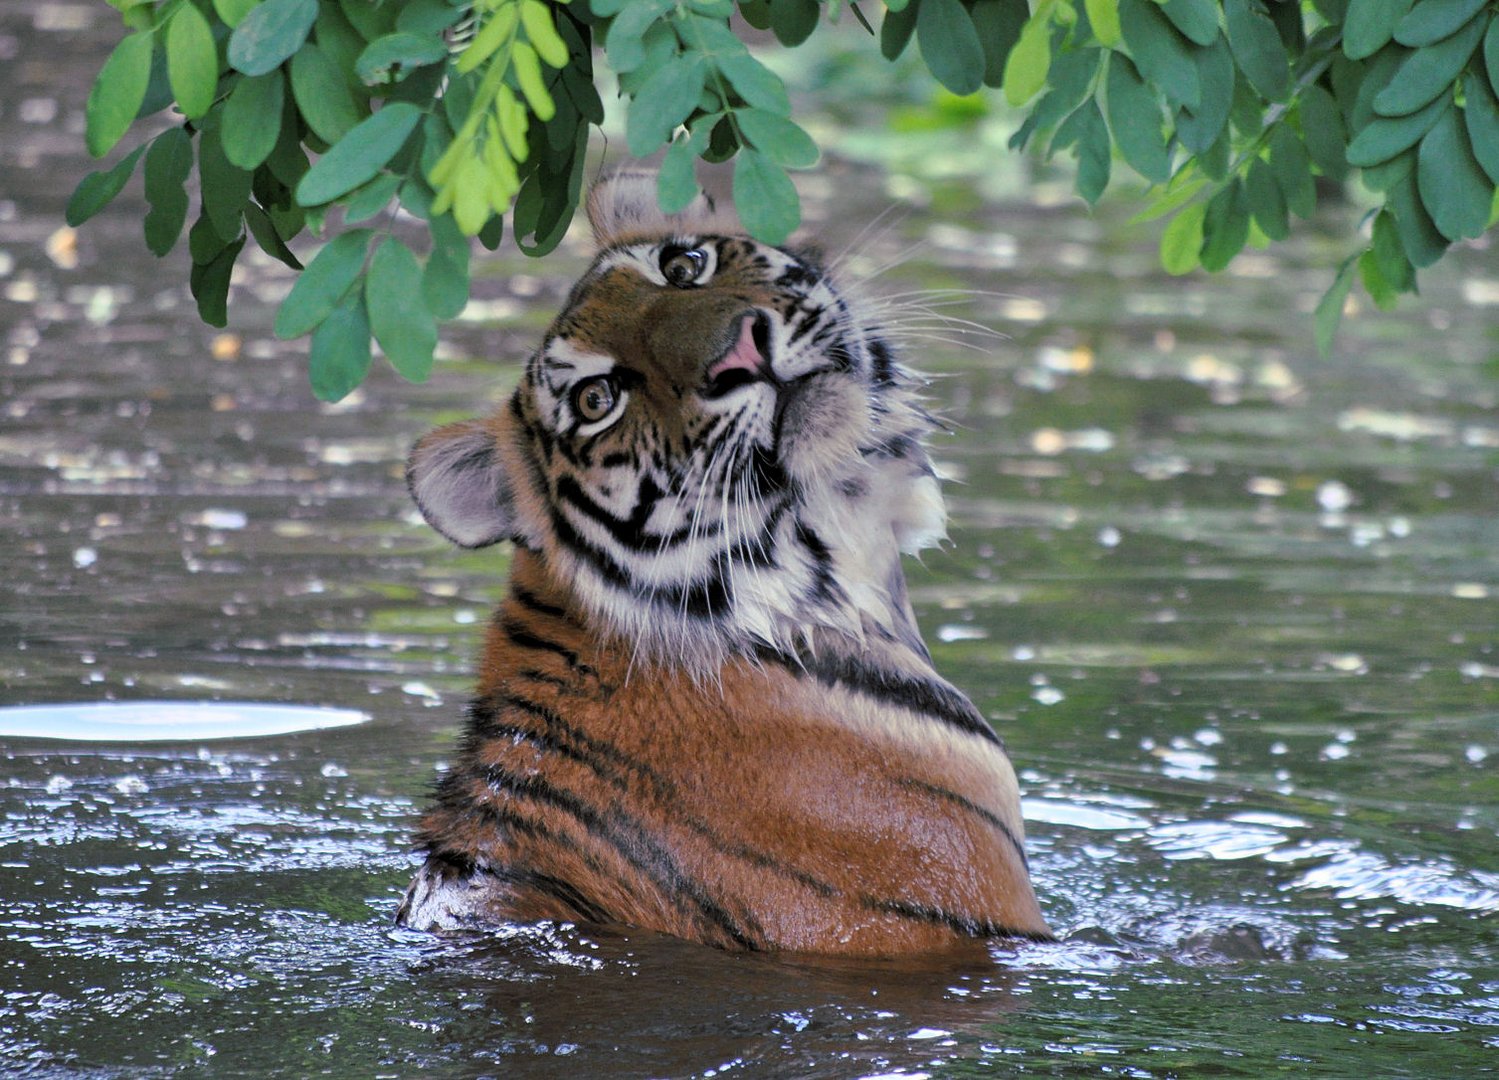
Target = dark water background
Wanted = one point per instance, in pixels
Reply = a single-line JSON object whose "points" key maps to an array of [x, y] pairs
{"points": [[1232, 606]]}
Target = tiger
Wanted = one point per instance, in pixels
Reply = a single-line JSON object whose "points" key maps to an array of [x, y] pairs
{"points": [[704, 708]]}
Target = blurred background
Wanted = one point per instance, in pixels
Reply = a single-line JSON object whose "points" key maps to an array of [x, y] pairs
{"points": [[1232, 606]]}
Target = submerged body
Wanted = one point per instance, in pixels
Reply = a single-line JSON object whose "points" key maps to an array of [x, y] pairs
{"points": [[704, 708]]}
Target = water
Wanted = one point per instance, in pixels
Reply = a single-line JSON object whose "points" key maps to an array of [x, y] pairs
{"points": [[1233, 608]]}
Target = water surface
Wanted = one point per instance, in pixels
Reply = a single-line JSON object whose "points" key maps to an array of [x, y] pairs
{"points": [[1232, 607]]}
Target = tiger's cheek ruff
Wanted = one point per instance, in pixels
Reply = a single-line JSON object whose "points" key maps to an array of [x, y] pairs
{"points": [[700, 529]]}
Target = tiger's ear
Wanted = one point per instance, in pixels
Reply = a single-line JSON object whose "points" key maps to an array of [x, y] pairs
{"points": [[623, 207], [459, 484]]}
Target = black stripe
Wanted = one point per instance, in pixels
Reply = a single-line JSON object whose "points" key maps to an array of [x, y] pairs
{"points": [[881, 362], [810, 315], [630, 532], [823, 582], [548, 885], [607, 761], [532, 675], [933, 696], [521, 636], [964, 924], [989, 816], [636, 846], [526, 598]]}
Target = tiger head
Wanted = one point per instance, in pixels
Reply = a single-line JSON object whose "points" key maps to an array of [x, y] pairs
{"points": [[714, 447]]}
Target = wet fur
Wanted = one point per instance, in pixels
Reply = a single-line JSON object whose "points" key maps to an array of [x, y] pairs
{"points": [[705, 708]]}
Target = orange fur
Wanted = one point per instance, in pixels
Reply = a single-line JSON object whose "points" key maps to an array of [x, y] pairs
{"points": [[704, 708]]}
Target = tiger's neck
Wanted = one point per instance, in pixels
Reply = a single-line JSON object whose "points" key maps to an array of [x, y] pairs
{"points": [[883, 635]]}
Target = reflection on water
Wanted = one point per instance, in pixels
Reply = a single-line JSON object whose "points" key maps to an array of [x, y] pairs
{"points": [[1232, 607], [166, 721]]}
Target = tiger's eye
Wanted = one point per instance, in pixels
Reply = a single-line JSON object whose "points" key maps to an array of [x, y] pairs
{"points": [[594, 398], [682, 267]]}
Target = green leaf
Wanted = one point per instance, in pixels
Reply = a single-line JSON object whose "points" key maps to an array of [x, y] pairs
{"points": [[225, 186], [266, 236], [998, 23], [1181, 243], [169, 162], [1213, 162], [336, 37], [393, 57], [1432, 20], [1085, 130], [192, 61], [323, 285], [1424, 244], [1491, 54], [1383, 293], [1197, 19], [625, 42], [1199, 128], [1455, 190], [1135, 120], [896, 30], [210, 284], [252, 119], [233, 11], [1383, 138], [269, 34], [359, 155], [765, 197], [204, 242], [777, 138], [427, 16], [1386, 174], [445, 278], [1389, 254], [1482, 116], [98, 189], [1183, 189], [322, 94], [754, 82], [1103, 17], [792, 21], [950, 45], [1160, 53], [676, 184], [371, 18], [757, 13], [398, 312], [340, 355], [1369, 25], [1330, 307], [1428, 72], [663, 101], [1293, 172], [1225, 226], [1267, 203], [1257, 47], [367, 201], [117, 93], [1025, 70], [1322, 127]]}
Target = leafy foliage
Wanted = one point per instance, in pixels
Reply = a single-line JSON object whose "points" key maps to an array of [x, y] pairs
{"points": [[461, 112]]}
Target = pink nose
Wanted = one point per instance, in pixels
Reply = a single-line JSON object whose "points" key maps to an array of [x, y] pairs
{"points": [[744, 355]]}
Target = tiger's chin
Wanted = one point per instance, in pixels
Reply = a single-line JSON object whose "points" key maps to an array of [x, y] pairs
{"points": [[704, 707]]}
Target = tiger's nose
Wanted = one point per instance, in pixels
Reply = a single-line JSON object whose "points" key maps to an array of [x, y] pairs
{"points": [[746, 359]]}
